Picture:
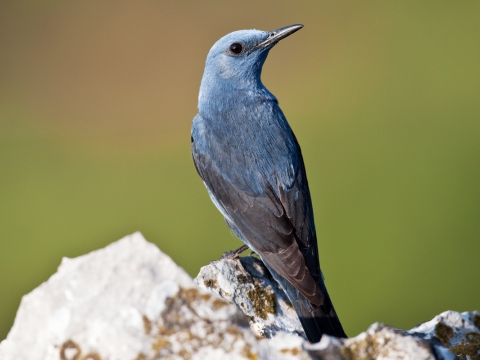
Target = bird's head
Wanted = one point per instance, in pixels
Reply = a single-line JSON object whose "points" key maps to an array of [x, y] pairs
{"points": [[239, 56]]}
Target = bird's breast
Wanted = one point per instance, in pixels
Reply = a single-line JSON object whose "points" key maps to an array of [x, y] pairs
{"points": [[250, 145]]}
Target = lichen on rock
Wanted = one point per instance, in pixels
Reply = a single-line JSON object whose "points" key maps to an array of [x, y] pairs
{"points": [[263, 300], [458, 332], [130, 301], [247, 283], [379, 342], [443, 333]]}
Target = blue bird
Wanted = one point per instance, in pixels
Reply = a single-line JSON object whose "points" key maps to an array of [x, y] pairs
{"points": [[251, 164]]}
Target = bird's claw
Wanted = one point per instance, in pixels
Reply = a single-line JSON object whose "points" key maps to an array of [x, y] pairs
{"points": [[235, 254]]}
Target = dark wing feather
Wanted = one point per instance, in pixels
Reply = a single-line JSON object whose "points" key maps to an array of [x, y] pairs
{"points": [[279, 228]]}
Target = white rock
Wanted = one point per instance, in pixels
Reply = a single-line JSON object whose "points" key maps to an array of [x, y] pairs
{"points": [[459, 332], [247, 283], [379, 342], [241, 281], [131, 301], [448, 334]]}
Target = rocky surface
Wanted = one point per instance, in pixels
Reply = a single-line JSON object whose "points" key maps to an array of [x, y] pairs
{"points": [[459, 332], [247, 283], [131, 301], [378, 342]]}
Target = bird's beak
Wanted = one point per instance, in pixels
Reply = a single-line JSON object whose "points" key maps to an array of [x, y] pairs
{"points": [[277, 35]]}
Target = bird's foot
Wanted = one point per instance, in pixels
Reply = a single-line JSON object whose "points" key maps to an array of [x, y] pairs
{"points": [[234, 255], [243, 276]]}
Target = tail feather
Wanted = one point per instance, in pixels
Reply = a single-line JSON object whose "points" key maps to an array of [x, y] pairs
{"points": [[316, 320]]}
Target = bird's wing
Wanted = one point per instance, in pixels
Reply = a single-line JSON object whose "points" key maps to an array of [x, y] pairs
{"points": [[277, 227]]}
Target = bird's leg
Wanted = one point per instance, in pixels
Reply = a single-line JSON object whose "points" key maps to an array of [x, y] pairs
{"points": [[233, 255], [243, 276]]}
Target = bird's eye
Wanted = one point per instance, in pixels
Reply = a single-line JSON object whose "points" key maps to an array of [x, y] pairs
{"points": [[236, 48]]}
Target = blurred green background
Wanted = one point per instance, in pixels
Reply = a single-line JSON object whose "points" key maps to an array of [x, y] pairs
{"points": [[96, 103]]}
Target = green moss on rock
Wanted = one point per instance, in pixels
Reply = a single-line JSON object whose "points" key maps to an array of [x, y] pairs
{"points": [[366, 349], [443, 333], [263, 300], [469, 349], [211, 283], [476, 321]]}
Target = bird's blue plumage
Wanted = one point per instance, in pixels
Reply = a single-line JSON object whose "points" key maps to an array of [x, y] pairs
{"points": [[251, 164], [241, 115]]}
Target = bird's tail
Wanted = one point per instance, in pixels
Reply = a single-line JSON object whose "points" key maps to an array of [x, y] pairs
{"points": [[316, 320]]}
